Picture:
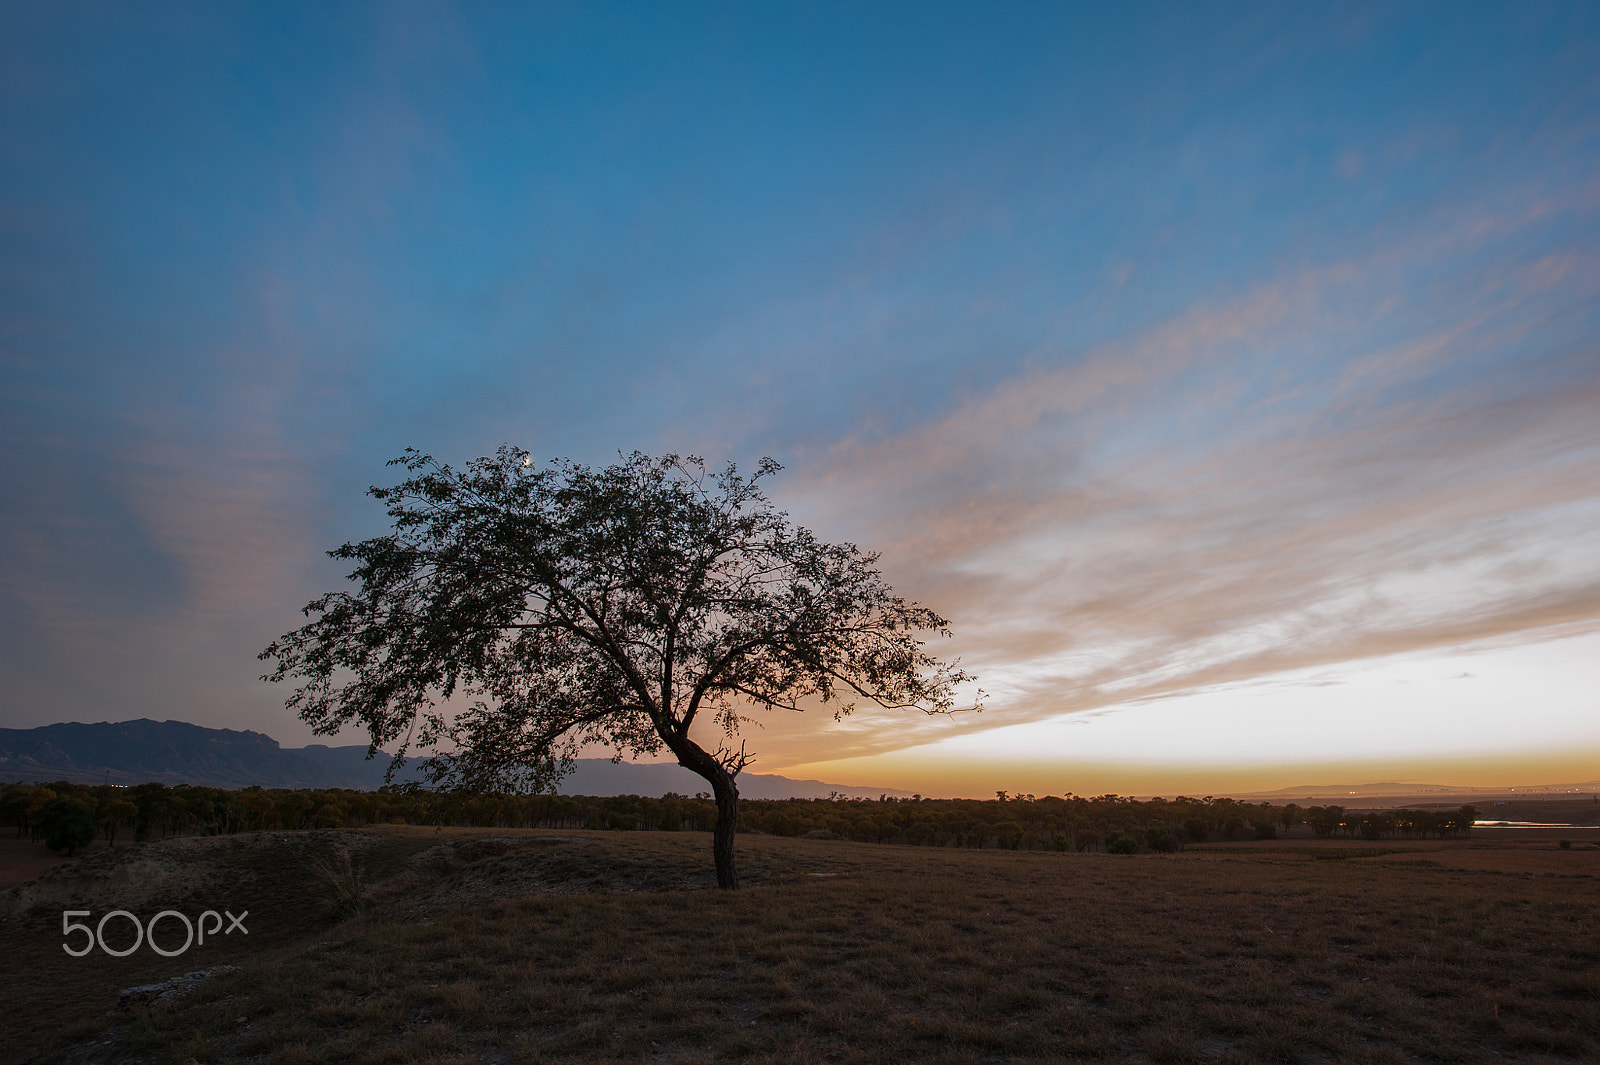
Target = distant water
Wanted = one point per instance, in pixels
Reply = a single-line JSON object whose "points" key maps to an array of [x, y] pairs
{"points": [[1523, 824]]}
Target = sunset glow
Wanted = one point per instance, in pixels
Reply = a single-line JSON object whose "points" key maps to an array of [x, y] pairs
{"points": [[1229, 377]]}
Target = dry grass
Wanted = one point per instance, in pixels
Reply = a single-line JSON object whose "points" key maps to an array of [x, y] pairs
{"points": [[343, 886], [522, 947]]}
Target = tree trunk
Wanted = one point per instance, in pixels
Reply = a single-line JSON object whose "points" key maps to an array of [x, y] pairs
{"points": [[727, 825], [696, 759]]}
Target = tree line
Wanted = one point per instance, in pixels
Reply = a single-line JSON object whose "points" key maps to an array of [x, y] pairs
{"points": [[1111, 823]]}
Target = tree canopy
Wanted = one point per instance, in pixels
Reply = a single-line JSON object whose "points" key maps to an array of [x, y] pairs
{"points": [[518, 612], [67, 824]]}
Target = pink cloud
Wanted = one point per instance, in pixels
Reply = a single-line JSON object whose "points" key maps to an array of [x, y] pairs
{"points": [[1091, 548]]}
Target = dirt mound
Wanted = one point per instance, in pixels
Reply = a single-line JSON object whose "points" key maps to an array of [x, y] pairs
{"points": [[125, 878], [470, 873], [189, 873]]}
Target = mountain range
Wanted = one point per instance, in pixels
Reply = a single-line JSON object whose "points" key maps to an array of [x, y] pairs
{"points": [[176, 752]]}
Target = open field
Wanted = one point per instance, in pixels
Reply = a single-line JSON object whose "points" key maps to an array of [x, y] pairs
{"points": [[526, 946]]}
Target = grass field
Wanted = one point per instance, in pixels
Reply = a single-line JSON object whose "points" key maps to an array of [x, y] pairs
{"points": [[496, 946]]}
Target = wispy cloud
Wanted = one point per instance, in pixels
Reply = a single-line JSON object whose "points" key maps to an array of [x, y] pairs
{"points": [[1155, 353], [1316, 471]]}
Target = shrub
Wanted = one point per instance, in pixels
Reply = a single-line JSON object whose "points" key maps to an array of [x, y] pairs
{"points": [[342, 884], [1265, 829], [1119, 844]]}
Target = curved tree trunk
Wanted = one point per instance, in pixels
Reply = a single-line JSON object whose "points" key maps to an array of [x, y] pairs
{"points": [[696, 759]]}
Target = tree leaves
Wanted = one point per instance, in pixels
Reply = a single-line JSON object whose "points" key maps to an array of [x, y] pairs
{"points": [[575, 605]]}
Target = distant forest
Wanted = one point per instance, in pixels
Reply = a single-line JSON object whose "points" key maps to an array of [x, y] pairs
{"points": [[1109, 823]]}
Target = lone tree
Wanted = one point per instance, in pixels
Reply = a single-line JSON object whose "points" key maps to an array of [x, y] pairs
{"points": [[555, 606]]}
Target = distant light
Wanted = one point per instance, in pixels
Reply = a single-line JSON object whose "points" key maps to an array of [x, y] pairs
{"points": [[527, 460]]}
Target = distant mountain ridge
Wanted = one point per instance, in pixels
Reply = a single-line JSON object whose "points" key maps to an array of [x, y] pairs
{"points": [[176, 752]]}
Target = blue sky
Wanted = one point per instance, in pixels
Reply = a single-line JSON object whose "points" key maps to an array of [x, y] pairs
{"points": [[1176, 353]]}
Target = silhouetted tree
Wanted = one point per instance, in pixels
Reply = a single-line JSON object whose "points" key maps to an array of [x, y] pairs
{"points": [[1008, 835], [1325, 820], [112, 814], [1376, 825], [619, 606], [14, 803], [1158, 836], [67, 824]]}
